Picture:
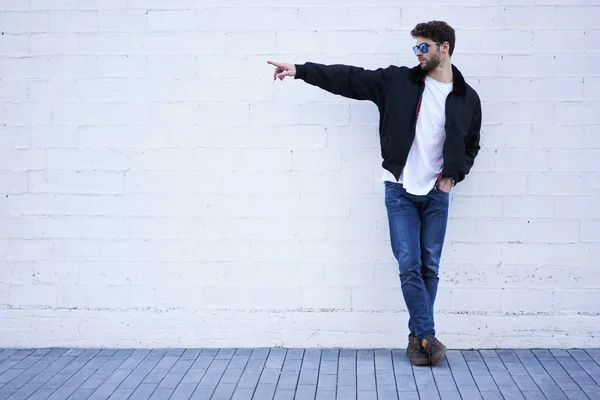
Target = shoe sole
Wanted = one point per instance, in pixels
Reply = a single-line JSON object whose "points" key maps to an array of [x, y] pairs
{"points": [[436, 360], [418, 363]]}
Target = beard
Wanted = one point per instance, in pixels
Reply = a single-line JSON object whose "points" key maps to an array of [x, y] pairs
{"points": [[432, 64]]}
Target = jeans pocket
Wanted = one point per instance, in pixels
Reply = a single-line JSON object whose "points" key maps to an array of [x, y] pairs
{"points": [[389, 186]]}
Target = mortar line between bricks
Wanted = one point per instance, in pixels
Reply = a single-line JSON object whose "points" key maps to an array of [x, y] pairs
{"points": [[244, 370], [132, 370], [105, 379], [74, 373], [3, 367], [223, 373], [470, 372], [412, 372], [205, 372], [394, 372], [375, 373], [142, 380], [92, 374], [261, 371], [511, 377], [24, 370], [170, 369], [163, 378], [582, 367], [186, 371], [592, 358], [47, 366], [529, 372], [280, 371], [356, 374], [29, 368], [337, 372], [19, 357], [318, 372], [550, 375], [300, 370], [452, 375], [57, 372], [488, 370], [568, 373], [437, 389], [412, 368], [468, 369], [110, 358]]}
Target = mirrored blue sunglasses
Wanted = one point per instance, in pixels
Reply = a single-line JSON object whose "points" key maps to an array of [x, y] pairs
{"points": [[424, 47]]}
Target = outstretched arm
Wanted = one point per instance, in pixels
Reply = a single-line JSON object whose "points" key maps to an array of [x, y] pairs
{"points": [[344, 80]]}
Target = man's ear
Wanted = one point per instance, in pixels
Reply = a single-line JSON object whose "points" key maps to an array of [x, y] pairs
{"points": [[446, 46]]}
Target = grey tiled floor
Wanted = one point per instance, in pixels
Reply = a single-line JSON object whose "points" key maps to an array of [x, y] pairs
{"points": [[280, 374]]}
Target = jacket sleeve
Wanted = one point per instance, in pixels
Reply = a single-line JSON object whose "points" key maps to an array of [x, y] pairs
{"points": [[472, 141], [345, 80]]}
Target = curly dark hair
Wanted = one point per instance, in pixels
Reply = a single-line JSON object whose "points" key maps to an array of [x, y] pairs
{"points": [[438, 31]]}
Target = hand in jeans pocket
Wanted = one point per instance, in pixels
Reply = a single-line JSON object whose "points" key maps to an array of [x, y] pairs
{"points": [[445, 185]]}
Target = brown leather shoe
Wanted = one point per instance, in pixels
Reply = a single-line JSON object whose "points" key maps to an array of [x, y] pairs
{"points": [[416, 353], [434, 348]]}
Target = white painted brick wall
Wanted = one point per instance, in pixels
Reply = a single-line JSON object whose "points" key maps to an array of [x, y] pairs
{"points": [[158, 189]]}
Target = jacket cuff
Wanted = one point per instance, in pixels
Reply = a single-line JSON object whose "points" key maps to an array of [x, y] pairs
{"points": [[455, 178], [300, 71]]}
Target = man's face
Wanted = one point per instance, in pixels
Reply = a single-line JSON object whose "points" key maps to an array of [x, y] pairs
{"points": [[430, 59]]}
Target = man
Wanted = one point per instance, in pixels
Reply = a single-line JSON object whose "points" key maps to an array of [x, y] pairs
{"points": [[429, 135]]}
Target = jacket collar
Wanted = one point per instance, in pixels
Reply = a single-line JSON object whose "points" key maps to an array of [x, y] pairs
{"points": [[459, 87]]}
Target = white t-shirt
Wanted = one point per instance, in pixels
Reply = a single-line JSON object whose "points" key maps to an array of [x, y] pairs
{"points": [[425, 158]]}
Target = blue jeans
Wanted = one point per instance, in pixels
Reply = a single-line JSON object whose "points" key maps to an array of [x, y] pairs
{"points": [[417, 230]]}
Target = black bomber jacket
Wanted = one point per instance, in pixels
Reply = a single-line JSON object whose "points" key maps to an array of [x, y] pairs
{"points": [[397, 93]]}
